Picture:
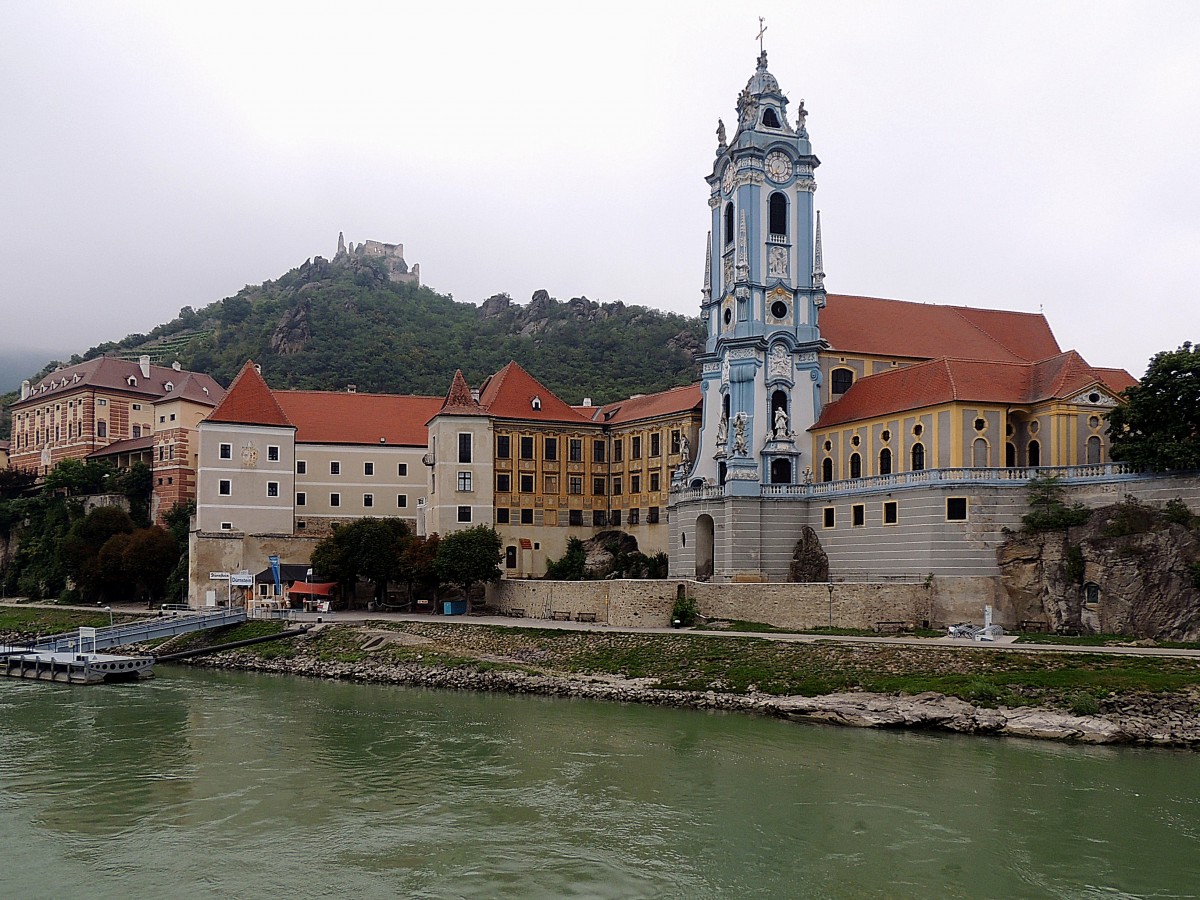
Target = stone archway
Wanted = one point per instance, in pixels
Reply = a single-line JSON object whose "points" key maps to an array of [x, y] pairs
{"points": [[704, 547]]}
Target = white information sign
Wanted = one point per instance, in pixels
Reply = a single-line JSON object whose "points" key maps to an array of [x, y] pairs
{"points": [[218, 576], [241, 579]]}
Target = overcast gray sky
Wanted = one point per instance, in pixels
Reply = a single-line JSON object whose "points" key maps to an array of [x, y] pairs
{"points": [[1023, 155]]}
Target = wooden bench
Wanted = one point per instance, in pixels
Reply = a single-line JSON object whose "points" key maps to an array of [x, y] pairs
{"points": [[516, 612], [1029, 625], [891, 627], [560, 616], [585, 617]]}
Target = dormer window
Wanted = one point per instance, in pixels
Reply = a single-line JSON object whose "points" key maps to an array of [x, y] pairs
{"points": [[536, 403], [168, 387], [770, 119], [131, 381]]}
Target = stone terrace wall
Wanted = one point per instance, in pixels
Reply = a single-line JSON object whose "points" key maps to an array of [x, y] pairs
{"points": [[628, 603]]}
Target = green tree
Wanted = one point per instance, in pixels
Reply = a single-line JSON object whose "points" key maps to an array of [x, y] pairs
{"points": [[83, 546], [469, 556], [150, 555], [570, 567], [415, 565], [77, 478], [1158, 427], [367, 548]]}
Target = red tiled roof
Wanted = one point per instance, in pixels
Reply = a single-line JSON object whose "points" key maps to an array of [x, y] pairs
{"points": [[946, 379], [131, 445], [509, 394], [111, 374], [337, 417], [649, 406], [1115, 379], [459, 401], [249, 402], [4, 445], [897, 328]]}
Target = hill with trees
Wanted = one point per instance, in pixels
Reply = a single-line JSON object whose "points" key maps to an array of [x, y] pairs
{"points": [[325, 325]]}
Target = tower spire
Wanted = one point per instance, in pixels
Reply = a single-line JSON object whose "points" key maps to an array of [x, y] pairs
{"points": [[818, 258]]}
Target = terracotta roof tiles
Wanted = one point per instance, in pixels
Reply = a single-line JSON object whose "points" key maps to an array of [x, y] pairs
{"points": [[649, 406], [337, 417], [125, 376], [249, 402], [512, 393]]}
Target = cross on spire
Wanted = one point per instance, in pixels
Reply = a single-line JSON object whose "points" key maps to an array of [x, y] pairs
{"points": [[762, 29]]}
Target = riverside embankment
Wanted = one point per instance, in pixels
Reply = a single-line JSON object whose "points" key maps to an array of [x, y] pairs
{"points": [[1085, 697]]}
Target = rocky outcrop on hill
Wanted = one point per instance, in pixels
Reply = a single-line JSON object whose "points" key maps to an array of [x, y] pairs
{"points": [[293, 332], [810, 563], [602, 550], [1129, 570]]}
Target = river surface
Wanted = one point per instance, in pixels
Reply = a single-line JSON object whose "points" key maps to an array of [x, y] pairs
{"points": [[217, 784]]}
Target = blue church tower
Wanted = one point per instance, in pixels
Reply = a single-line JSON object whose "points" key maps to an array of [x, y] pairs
{"points": [[763, 292]]}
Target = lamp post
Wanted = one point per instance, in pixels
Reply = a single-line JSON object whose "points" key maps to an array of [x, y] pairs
{"points": [[108, 609]]}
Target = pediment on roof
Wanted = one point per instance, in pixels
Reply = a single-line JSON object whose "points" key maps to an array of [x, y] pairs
{"points": [[1094, 396]]}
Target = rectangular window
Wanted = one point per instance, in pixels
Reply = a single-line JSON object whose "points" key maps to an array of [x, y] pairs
{"points": [[272, 488], [503, 446], [550, 449], [599, 519], [464, 448], [526, 484], [858, 515], [161, 419], [402, 469], [335, 499], [137, 430], [136, 406], [301, 467], [675, 446], [575, 484], [598, 451], [616, 488], [401, 501], [635, 447], [368, 500], [272, 453], [527, 517], [828, 519], [227, 526], [635, 484], [598, 487], [226, 451], [575, 448], [335, 468], [575, 517], [654, 481], [956, 509], [891, 512], [368, 468], [614, 517], [301, 498], [501, 515], [464, 481], [503, 483], [526, 448], [656, 444], [550, 484], [652, 516], [464, 512], [635, 516], [224, 487], [102, 402], [618, 450]]}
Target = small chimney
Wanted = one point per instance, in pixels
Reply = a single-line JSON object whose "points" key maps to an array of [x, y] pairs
{"points": [[352, 389], [177, 366], [144, 365], [587, 401], [475, 394], [25, 391]]}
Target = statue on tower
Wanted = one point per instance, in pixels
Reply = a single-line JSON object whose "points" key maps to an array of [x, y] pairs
{"points": [[739, 433], [721, 144]]}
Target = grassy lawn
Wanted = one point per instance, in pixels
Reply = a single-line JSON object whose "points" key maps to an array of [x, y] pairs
{"points": [[1098, 640], [763, 628], [26, 622]]}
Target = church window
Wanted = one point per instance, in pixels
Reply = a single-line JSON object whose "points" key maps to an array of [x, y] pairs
{"points": [[980, 424], [855, 441], [1035, 454], [550, 449], [464, 481], [840, 381], [891, 512], [828, 517], [885, 435], [858, 515], [575, 449], [828, 446], [1093, 421], [855, 466], [527, 448], [778, 402], [779, 309], [918, 457], [778, 215], [827, 469], [503, 446], [1035, 426], [885, 461], [728, 224], [727, 316], [956, 509], [464, 447], [979, 453], [781, 471], [1093, 450], [1010, 454], [503, 483], [1093, 397], [770, 119]]}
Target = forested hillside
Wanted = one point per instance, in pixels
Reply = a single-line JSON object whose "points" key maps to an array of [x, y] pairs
{"points": [[326, 325]]}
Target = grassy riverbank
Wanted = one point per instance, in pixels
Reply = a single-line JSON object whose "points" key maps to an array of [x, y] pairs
{"points": [[1085, 683]]}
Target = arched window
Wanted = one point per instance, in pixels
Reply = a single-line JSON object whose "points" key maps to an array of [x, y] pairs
{"points": [[725, 406], [1093, 450], [827, 469], [778, 214], [781, 471], [979, 453], [1035, 454], [885, 461], [918, 457], [855, 466], [1010, 454], [770, 119], [728, 223], [840, 381], [778, 401]]}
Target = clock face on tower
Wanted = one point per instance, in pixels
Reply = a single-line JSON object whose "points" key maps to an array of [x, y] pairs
{"points": [[728, 179], [779, 167]]}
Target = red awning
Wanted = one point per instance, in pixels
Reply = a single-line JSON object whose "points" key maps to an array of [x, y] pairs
{"points": [[303, 588], [526, 544]]}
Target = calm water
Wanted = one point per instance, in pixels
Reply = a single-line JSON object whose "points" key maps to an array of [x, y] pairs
{"points": [[202, 784]]}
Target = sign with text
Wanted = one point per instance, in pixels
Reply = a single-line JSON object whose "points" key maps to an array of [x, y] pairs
{"points": [[218, 576], [241, 579]]}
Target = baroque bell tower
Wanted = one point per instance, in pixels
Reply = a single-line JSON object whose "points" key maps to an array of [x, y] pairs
{"points": [[763, 291]]}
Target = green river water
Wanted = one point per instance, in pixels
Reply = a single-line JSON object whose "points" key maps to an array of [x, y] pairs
{"points": [[213, 784]]}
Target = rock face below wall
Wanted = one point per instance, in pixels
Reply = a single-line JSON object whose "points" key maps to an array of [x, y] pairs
{"points": [[1144, 580]]}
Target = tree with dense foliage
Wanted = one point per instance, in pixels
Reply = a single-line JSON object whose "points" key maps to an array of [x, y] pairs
{"points": [[570, 566], [366, 548], [85, 541], [1158, 427], [76, 478], [1048, 507], [469, 556], [415, 564]]}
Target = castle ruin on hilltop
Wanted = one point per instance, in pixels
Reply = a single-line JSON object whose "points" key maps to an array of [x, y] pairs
{"points": [[392, 256]]}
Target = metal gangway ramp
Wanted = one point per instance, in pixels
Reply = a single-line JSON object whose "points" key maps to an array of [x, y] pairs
{"points": [[136, 632]]}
